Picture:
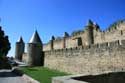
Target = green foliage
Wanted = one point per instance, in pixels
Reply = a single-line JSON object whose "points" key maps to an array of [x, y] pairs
{"points": [[4, 48], [4, 43], [58, 38], [116, 24], [77, 32], [42, 74], [4, 62]]}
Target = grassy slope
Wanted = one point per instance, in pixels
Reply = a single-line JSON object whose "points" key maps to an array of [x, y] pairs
{"points": [[42, 74]]}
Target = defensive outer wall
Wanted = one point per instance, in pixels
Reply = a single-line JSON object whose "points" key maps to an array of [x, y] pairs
{"points": [[99, 58], [106, 53], [89, 52]]}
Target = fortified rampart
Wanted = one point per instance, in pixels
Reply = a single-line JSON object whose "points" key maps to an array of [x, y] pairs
{"points": [[84, 38], [89, 51], [98, 58]]}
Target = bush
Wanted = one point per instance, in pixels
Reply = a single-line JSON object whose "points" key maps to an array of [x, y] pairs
{"points": [[4, 48]]}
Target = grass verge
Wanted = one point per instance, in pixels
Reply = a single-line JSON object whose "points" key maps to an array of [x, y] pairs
{"points": [[42, 74]]}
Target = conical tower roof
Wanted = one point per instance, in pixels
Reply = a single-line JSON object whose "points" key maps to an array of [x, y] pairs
{"points": [[89, 23], [66, 34], [35, 38], [20, 40]]}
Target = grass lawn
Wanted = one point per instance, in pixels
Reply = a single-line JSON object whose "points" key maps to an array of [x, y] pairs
{"points": [[42, 74]]}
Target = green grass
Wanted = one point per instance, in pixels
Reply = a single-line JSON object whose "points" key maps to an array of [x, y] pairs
{"points": [[42, 74]]}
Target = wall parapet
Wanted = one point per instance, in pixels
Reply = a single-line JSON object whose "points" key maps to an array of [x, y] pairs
{"points": [[96, 58], [94, 46]]}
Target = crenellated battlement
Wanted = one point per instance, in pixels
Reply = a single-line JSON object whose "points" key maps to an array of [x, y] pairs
{"points": [[91, 35], [114, 44], [91, 59], [90, 51]]}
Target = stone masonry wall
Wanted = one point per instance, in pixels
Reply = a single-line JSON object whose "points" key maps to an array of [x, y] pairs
{"points": [[98, 58], [25, 57], [46, 47], [70, 42], [111, 34], [57, 44]]}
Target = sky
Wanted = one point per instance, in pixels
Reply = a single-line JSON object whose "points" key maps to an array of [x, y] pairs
{"points": [[54, 17]]}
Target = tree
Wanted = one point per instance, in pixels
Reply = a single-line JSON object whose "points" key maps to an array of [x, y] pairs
{"points": [[115, 24], [4, 44], [74, 33]]}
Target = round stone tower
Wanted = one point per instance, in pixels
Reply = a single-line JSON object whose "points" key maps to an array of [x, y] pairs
{"points": [[19, 49], [89, 33], [35, 53]]}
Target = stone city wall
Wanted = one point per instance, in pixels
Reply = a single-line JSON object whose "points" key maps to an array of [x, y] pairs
{"points": [[69, 42], [25, 57], [96, 58], [46, 47], [109, 35]]}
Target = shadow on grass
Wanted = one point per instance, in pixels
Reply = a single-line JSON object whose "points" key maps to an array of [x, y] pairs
{"points": [[116, 77], [13, 73]]}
